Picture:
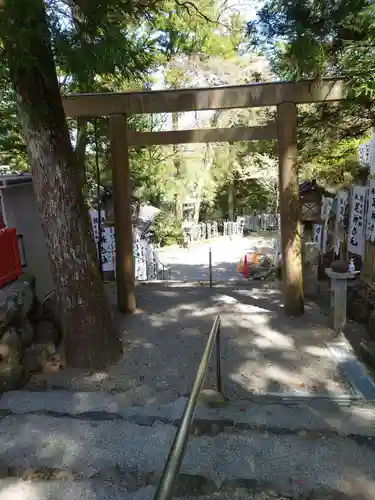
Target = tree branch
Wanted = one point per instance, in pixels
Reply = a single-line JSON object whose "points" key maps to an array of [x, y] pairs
{"points": [[187, 4]]}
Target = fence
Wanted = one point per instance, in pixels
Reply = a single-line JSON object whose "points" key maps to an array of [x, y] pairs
{"points": [[260, 222], [201, 231], [233, 228]]}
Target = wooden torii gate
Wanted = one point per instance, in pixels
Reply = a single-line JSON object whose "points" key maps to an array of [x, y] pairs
{"points": [[284, 95]]}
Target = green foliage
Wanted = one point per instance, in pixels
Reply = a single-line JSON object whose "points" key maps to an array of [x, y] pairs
{"points": [[116, 45], [12, 146], [167, 230], [312, 39]]}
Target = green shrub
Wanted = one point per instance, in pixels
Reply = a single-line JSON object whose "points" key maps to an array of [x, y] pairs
{"points": [[167, 230]]}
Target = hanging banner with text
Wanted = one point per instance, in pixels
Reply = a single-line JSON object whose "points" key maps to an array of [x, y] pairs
{"points": [[356, 233]]}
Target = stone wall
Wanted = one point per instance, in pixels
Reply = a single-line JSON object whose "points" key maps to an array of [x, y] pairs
{"points": [[29, 334], [361, 305]]}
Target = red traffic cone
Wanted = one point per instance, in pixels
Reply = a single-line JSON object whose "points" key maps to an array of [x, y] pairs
{"points": [[245, 267]]}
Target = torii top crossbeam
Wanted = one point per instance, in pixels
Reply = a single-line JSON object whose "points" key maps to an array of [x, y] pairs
{"points": [[200, 99]]}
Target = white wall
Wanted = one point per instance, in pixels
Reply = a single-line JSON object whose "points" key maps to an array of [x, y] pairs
{"points": [[20, 211]]}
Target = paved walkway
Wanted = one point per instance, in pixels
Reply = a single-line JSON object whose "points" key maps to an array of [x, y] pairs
{"points": [[192, 264]]}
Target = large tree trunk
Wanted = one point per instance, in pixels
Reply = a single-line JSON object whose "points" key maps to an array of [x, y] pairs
{"points": [[89, 336]]}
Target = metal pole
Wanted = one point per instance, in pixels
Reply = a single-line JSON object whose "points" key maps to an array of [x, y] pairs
{"points": [[210, 264], [165, 488], [218, 361]]}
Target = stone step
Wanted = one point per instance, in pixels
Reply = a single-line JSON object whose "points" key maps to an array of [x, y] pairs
{"points": [[17, 489], [285, 416], [134, 456], [95, 490]]}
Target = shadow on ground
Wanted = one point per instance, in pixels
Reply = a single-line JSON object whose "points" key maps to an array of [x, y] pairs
{"points": [[262, 349]]}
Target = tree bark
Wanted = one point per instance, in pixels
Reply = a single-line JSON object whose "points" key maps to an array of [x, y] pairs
{"points": [[231, 199], [89, 336]]}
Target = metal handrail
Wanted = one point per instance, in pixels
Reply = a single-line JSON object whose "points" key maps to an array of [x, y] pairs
{"points": [[176, 454], [157, 261]]}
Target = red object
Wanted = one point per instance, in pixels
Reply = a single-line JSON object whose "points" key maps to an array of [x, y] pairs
{"points": [[10, 259], [245, 267]]}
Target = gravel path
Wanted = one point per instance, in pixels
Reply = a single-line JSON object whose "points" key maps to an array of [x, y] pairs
{"points": [[192, 264], [263, 350]]}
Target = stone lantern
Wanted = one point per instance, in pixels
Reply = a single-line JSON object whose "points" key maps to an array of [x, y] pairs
{"points": [[311, 196]]}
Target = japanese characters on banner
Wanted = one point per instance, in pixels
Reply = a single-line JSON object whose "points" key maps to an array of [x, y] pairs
{"points": [[356, 233], [361, 154], [145, 262], [325, 211], [342, 203], [318, 229], [366, 156], [370, 226], [107, 243], [341, 208]]}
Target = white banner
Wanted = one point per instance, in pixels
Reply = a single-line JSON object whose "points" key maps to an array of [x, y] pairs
{"points": [[107, 245], [370, 226], [356, 234], [318, 229], [342, 203], [325, 211]]}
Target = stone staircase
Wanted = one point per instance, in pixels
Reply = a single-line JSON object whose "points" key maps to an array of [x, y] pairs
{"points": [[59, 445]]}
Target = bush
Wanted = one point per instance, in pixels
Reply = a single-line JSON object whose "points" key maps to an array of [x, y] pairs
{"points": [[168, 230]]}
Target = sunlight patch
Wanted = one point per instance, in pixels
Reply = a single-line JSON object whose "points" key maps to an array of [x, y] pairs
{"points": [[320, 352], [270, 339], [226, 299]]}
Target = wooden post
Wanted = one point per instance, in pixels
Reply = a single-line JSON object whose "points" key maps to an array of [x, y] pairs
{"points": [[290, 209], [121, 182]]}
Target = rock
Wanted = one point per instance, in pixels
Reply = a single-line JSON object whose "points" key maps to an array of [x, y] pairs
{"points": [[371, 325], [339, 266], [39, 356], [5, 352], [12, 342], [50, 310], [16, 299], [8, 310], [10, 376], [60, 357], [367, 352], [31, 360], [358, 311], [211, 398], [26, 332], [46, 333]]}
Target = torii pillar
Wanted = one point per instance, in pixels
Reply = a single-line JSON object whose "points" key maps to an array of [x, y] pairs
{"points": [[290, 209], [122, 198]]}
